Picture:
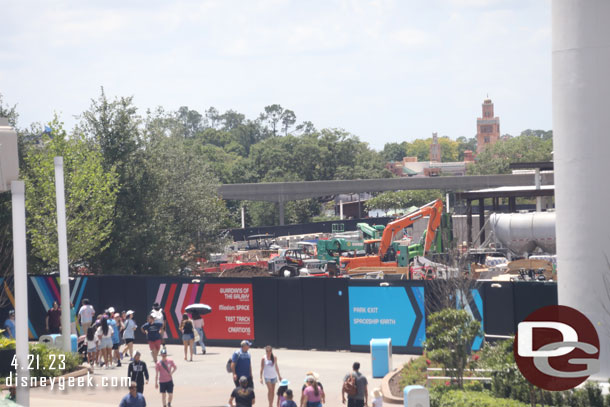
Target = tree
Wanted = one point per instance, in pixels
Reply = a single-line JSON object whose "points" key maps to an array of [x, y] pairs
{"points": [[466, 144], [183, 206], [276, 114], [402, 199], [91, 192], [449, 336], [496, 159], [394, 151]]}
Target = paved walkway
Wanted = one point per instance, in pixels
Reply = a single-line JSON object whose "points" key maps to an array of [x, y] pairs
{"points": [[205, 382]]}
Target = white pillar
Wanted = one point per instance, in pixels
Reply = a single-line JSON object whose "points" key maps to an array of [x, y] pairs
{"points": [[341, 209], [243, 217], [64, 281], [21, 289], [581, 90], [538, 198], [447, 201]]}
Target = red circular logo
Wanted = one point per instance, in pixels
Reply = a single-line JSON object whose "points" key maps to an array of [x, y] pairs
{"points": [[556, 348]]}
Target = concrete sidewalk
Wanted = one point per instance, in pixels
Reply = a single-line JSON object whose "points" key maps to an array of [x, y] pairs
{"points": [[205, 382]]}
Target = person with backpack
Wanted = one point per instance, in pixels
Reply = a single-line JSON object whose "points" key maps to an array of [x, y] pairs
{"points": [[241, 364], [164, 378], [355, 386], [152, 330]]}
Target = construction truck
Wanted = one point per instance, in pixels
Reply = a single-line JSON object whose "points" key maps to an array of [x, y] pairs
{"points": [[399, 253]]}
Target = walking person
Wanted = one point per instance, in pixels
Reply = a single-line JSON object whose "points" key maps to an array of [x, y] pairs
{"points": [[281, 392], [289, 402], [134, 398], [129, 333], [188, 335], [241, 364], [104, 333], [92, 345], [159, 316], [355, 386], [138, 372], [165, 369], [198, 325], [53, 319], [242, 395], [313, 395], [152, 330], [270, 372], [85, 316], [117, 326], [9, 325]]}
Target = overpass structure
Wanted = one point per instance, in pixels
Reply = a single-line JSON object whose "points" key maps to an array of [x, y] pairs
{"points": [[282, 192]]}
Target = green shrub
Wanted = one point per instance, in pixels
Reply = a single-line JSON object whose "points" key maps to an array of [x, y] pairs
{"points": [[449, 337], [6, 343], [457, 398], [46, 361], [414, 372]]}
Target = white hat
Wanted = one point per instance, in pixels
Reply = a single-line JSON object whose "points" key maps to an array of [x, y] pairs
{"points": [[130, 312], [111, 310]]}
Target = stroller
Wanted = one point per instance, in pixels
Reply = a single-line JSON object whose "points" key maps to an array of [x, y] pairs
{"points": [[81, 347]]}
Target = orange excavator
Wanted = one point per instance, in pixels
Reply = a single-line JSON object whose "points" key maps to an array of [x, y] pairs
{"points": [[395, 254]]}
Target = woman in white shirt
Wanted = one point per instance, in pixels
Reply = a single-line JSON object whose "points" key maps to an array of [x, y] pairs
{"points": [[270, 371], [104, 333], [128, 333]]}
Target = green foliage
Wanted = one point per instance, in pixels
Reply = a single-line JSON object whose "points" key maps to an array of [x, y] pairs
{"points": [[524, 148], [50, 360], [90, 194], [414, 372], [6, 343], [449, 336], [402, 199], [457, 398]]}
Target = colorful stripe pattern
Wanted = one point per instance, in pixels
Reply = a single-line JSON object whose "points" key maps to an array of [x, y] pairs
{"points": [[173, 299], [47, 289], [31, 331]]}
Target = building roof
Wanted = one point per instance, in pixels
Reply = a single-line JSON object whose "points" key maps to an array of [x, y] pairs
{"points": [[507, 192], [408, 171]]}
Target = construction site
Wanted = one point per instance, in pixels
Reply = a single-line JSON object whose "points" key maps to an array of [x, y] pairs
{"points": [[503, 233]]}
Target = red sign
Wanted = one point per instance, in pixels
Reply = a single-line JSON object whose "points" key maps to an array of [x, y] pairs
{"points": [[557, 348], [232, 315]]}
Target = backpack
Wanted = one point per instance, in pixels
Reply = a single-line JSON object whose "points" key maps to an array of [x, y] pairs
{"points": [[350, 386], [229, 370]]}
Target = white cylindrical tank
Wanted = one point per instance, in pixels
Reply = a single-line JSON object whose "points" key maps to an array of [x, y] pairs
{"points": [[523, 232], [581, 91]]}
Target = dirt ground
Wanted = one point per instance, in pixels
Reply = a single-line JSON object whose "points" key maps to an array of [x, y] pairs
{"points": [[245, 271]]}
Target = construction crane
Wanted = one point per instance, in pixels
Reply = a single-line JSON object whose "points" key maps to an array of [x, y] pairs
{"points": [[397, 254]]}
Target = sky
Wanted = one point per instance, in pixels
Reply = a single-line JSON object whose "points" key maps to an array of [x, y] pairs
{"points": [[384, 70]]}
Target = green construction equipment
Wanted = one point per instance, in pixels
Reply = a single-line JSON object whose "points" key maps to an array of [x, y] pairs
{"points": [[332, 249], [371, 232]]}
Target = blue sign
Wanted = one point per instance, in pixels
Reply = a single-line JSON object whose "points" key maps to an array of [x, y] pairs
{"points": [[387, 312]]}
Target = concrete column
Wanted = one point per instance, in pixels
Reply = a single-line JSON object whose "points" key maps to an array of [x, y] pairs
{"points": [[243, 217], [581, 90], [281, 205], [538, 198], [482, 219], [341, 210], [469, 221], [512, 204]]}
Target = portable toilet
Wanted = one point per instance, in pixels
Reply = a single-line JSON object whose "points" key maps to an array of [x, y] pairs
{"points": [[381, 356]]}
